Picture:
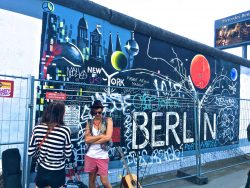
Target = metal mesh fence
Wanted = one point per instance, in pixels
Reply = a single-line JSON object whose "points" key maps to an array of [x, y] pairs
{"points": [[157, 133], [13, 118], [231, 143], [140, 118]]}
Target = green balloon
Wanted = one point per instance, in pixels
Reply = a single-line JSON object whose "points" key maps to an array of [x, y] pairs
{"points": [[119, 60]]}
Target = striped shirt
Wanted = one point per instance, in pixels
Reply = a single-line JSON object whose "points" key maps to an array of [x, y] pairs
{"points": [[55, 149]]}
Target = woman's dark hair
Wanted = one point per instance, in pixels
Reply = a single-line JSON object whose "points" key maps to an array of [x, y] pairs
{"points": [[53, 114]]}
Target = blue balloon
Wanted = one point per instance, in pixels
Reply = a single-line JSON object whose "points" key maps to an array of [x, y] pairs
{"points": [[234, 74]]}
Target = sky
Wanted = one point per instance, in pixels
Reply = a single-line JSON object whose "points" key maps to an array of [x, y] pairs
{"points": [[193, 19]]}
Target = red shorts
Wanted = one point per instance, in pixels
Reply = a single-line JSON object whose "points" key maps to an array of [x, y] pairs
{"points": [[96, 165]]}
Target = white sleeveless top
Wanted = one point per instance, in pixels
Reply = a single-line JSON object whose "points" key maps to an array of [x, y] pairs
{"points": [[95, 150]]}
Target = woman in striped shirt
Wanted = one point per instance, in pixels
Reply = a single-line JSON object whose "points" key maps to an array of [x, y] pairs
{"points": [[51, 144]]}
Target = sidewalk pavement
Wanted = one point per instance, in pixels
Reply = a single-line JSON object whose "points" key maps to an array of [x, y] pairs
{"points": [[233, 177]]}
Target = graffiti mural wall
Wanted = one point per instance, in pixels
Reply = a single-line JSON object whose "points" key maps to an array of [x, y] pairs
{"points": [[150, 87]]}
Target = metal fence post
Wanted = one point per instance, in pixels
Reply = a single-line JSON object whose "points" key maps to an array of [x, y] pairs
{"points": [[28, 129], [197, 114]]}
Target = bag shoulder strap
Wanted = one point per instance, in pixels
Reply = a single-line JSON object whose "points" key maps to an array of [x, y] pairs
{"points": [[48, 131]]}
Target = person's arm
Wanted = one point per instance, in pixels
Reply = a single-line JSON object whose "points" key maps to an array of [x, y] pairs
{"points": [[108, 136], [32, 145], [67, 150], [89, 139]]}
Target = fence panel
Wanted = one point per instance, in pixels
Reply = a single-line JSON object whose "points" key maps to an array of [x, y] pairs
{"points": [[151, 129], [13, 113], [229, 127]]}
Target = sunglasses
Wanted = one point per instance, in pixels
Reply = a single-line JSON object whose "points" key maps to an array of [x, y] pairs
{"points": [[98, 112]]}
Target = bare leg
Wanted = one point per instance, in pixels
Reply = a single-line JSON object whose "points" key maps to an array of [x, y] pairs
{"points": [[92, 178], [105, 181]]}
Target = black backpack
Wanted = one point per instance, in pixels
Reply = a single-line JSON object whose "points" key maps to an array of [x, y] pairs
{"points": [[11, 161]]}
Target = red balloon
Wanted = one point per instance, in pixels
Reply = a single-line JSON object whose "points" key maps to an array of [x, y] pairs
{"points": [[200, 71]]}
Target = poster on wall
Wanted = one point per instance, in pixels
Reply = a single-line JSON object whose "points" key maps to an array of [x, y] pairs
{"points": [[149, 87], [6, 88], [55, 96]]}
